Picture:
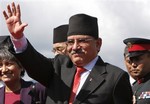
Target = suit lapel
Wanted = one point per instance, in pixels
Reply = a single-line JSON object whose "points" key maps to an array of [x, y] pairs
{"points": [[94, 80], [25, 93], [68, 72], [2, 94], [67, 76]]}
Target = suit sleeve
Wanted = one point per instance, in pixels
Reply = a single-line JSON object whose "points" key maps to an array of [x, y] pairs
{"points": [[37, 66], [123, 91]]}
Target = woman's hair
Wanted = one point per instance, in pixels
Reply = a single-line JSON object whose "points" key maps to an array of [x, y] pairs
{"points": [[7, 56]]}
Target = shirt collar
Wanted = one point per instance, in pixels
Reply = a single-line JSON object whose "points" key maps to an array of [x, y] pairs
{"points": [[91, 64]]}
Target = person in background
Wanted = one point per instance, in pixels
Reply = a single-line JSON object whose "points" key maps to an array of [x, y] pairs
{"points": [[60, 39], [15, 90], [139, 60], [81, 76], [128, 65]]}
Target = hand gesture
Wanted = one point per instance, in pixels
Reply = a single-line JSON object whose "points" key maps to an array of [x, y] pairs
{"points": [[13, 21]]}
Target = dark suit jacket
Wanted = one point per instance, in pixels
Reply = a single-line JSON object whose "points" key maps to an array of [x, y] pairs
{"points": [[27, 94], [106, 84]]}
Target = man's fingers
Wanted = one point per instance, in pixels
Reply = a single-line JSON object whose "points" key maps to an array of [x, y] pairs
{"points": [[5, 15], [9, 11], [18, 13], [23, 25], [13, 9]]}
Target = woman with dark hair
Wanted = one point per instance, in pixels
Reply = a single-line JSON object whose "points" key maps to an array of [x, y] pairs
{"points": [[15, 89]]}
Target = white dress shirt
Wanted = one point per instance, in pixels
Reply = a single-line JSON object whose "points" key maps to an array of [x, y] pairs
{"points": [[84, 75]]}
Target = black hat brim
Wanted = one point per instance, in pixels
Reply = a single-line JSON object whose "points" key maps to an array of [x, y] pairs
{"points": [[136, 54]]}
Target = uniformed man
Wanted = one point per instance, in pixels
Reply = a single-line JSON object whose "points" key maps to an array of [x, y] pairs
{"points": [[128, 65], [139, 59]]}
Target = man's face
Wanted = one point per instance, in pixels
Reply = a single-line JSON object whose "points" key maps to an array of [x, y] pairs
{"points": [[129, 67], [82, 49], [138, 66], [59, 48]]}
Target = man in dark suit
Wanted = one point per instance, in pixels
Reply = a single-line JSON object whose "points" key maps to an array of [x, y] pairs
{"points": [[100, 83], [139, 62]]}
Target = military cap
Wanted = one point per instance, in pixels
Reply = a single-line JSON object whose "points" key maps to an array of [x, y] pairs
{"points": [[82, 24], [60, 34], [137, 46]]}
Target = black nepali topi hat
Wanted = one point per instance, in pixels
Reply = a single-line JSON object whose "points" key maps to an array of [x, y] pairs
{"points": [[60, 34], [5, 41], [82, 24], [137, 46]]}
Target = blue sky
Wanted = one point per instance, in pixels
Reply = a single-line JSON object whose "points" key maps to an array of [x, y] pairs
{"points": [[117, 20]]}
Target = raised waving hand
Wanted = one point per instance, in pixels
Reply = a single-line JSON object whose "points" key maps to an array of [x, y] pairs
{"points": [[13, 21]]}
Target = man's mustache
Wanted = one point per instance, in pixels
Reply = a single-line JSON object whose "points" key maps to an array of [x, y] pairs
{"points": [[77, 51]]}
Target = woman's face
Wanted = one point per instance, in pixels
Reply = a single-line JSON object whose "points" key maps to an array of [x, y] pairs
{"points": [[9, 71]]}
